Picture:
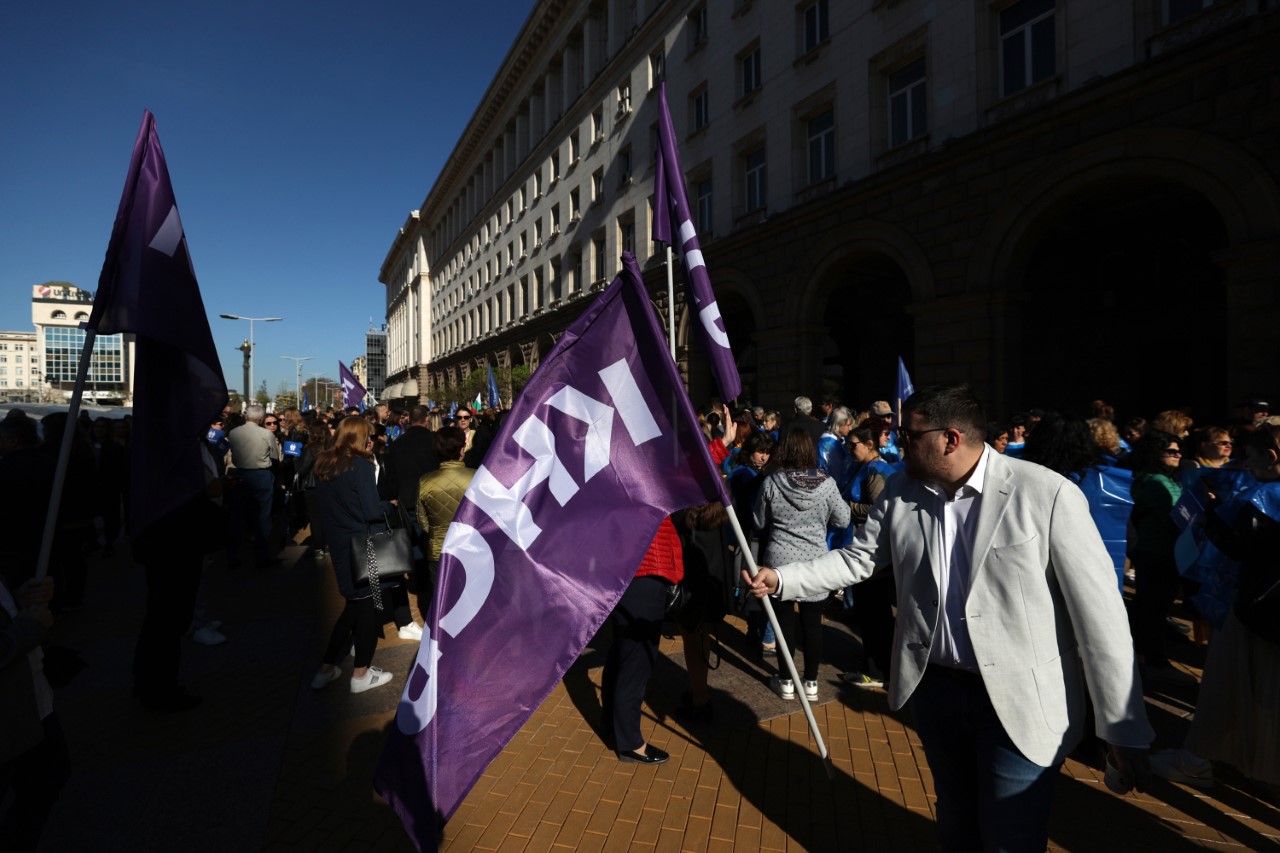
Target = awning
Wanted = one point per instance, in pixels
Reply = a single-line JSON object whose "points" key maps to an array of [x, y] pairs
{"points": [[409, 389], [392, 392]]}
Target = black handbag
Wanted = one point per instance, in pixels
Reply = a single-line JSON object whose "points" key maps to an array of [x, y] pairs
{"points": [[377, 555]]}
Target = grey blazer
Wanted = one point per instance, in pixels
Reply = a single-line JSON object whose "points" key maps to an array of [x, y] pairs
{"points": [[1042, 609]]}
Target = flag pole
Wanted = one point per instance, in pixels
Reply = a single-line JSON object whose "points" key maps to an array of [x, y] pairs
{"points": [[671, 305], [64, 455], [783, 650]]}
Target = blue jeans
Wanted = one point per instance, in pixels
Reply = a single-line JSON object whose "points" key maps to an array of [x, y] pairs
{"points": [[990, 797]]}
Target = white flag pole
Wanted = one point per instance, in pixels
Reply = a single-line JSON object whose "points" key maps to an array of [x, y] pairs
{"points": [[64, 455], [671, 305], [784, 652]]}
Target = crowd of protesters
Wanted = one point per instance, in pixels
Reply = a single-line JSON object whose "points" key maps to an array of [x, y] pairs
{"points": [[799, 484]]}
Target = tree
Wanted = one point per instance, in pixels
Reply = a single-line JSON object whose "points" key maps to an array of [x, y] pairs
{"points": [[262, 397]]}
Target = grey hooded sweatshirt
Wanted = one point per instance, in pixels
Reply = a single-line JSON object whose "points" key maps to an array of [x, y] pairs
{"points": [[792, 513]]}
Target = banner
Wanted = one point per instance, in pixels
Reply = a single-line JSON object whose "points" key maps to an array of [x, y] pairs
{"points": [[672, 216], [601, 446]]}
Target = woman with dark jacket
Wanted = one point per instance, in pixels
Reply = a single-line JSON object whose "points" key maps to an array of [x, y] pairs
{"points": [[347, 504], [1156, 488]]}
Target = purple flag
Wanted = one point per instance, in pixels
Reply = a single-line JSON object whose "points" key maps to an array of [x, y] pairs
{"points": [[671, 216], [602, 444], [353, 392], [148, 288]]}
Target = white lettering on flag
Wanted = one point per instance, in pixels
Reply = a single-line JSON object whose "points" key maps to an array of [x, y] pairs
{"points": [[169, 235], [626, 395], [709, 315]]}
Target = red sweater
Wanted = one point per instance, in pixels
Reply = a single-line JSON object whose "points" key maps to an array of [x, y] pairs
{"points": [[665, 558]]}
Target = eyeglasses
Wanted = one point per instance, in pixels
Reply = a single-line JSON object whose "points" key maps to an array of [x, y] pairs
{"points": [[1174, 452], [914, 434], [270, 423], [463, 417]]}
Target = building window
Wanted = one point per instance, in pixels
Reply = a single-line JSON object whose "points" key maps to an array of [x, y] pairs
{"points": [[908, 115], [624, 166], [657, 68], [820, 135], [700, 109], [698, 27], [624, 99], [575, 148], [555, 167], [749, 78], [754, 180], [597, 257], [702, 205], [1027, 45], [627, 232], [555, 220], [537, 233], [597, 126], [817, 26], [59, 315], [575, 206], [537, 184], [1176, 10], [597, 185], [524, 198]]}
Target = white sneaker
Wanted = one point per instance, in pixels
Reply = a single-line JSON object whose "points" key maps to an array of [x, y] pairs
{"points": [[373, 678], [209, 635], [810, 690], [1182, 765], [785, 686], [323, 679], [412, 631]]}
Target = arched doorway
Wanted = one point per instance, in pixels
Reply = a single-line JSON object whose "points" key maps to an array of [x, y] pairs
{"points": [[867, 329], [1123, 302]]}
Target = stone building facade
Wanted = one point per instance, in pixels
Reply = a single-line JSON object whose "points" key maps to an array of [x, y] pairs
{"points": [[1053, 201]]}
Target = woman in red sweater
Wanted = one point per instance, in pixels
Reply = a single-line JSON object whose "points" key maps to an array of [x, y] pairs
{"points": [[637, 627]]}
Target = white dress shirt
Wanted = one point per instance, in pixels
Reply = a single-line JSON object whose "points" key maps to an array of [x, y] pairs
{"points": [[957, 522]]}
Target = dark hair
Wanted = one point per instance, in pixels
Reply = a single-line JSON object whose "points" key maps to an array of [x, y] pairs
{"points": [[1264, 437], [1148, 454], [449, 442], [418, 414], [796, 450], [756, 442], [995, 429], [950, 406], [706, 517], [1062, 444], [1139, 424], [868, 433]]}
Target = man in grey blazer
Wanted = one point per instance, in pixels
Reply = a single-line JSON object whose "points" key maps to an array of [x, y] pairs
{"points": [[1007, 609]]}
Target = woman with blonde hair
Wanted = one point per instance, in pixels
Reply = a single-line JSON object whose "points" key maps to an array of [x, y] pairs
{"points": [[1106, 438], [347, 503]]}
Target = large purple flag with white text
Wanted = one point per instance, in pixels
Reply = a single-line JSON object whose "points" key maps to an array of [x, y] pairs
{"points": [[601, 445], [353, 393], [148, 288], [672, 216]]}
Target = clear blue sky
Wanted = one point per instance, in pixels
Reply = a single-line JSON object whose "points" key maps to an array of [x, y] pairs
{"points": [[298, 137]]}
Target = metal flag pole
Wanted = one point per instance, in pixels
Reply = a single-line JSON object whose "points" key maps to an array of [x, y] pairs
{"points": [[64, 455], [783, 650]]}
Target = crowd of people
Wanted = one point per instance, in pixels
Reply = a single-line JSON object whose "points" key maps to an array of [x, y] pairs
{"points": [[823, 493]]}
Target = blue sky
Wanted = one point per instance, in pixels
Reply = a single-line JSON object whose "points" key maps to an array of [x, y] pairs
{"points": [[298, 137]]}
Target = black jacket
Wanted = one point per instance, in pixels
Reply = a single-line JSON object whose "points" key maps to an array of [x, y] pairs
{"points": [[408, 458]]}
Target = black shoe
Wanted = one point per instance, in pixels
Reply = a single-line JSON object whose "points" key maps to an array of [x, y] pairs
{"points": [[652, 755]]}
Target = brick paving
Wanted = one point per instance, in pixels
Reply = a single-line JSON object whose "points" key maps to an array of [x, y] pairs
{"points": [[267, 763]]}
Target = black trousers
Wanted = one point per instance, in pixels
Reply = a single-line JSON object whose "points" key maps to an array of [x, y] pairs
{"points": [[810, 635], [1155, 589], [173, 581], [637, 627], [361, 621]]}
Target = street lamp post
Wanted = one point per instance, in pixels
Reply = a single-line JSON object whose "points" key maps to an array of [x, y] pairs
{"points": [[249, 353], [297, 383]]}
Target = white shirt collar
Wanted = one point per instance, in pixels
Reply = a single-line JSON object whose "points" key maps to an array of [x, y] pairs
{"points": [[972, 486]]}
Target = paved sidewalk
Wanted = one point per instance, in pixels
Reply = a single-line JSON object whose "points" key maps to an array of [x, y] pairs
{"points": [[268, 763]]}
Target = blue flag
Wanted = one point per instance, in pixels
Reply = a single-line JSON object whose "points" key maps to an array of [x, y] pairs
{"points": [[673, 224], [306, 402], [905, 388], [494, 399], [148, 288], [453, 409]]}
